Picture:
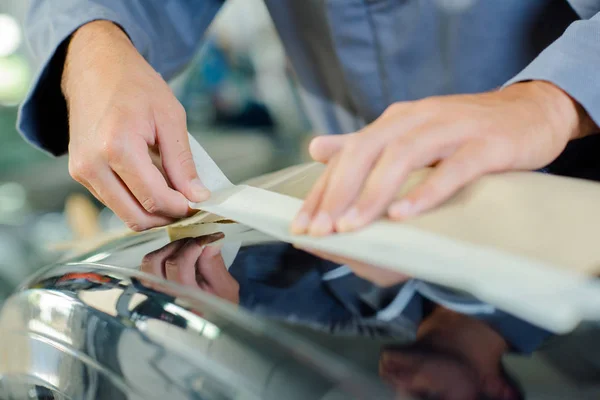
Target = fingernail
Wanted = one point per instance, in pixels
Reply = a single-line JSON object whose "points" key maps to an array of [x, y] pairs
{"points": [[349, 221], [216, 236], [199, 192], [300, 224], [211, 238], [402, 209], [321, 225]]}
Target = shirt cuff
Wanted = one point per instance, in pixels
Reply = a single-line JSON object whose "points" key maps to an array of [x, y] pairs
{"points": [[43, 116], [571, 63]]}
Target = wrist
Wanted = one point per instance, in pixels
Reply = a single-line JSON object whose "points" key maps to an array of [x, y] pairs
{"points": [[95, 46], [566, 116]]}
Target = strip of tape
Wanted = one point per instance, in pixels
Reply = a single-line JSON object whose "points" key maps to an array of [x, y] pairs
{"points": [[548, 296]]}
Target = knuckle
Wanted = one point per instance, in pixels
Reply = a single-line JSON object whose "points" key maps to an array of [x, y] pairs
{"points": [[430, 106], [391, 109], [172, 267], [151, 205], [358, 144], [185, 158], [137, 226], [176, 112], [171, 263], [115, 131], [146, 261], [81, 169], [113, 147]]}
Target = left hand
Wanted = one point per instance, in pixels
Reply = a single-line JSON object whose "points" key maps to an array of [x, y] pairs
{"points": [[522, 127], [195, 263]]}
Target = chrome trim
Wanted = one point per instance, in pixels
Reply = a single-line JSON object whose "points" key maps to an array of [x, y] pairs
{"points": [[97, 331]]}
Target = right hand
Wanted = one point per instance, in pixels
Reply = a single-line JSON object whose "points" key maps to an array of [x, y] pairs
{"points": [[120, 111]]}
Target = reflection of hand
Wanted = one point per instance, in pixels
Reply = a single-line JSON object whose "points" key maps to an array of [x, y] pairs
{"points": [[455, 357], [380, 276], [119, 108], [429, 375], [435, 375], [522, 127], [193, 262]]}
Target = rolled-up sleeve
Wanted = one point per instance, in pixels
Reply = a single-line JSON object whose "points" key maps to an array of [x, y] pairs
{"points": [[571, 63], [165, 32]]}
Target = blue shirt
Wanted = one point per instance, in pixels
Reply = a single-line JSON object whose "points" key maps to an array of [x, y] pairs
{"points": [[352, 58], [281, 282]]}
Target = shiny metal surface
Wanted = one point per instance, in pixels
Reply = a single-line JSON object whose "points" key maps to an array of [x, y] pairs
{"points": [[142, 318], [85, 330]]}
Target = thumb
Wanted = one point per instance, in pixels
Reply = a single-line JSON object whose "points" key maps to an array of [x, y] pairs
{"points": [[177, 158], [322, 148]]}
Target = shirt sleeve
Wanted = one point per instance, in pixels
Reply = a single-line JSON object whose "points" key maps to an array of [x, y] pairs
{"points": [[522, 337], [166, 33], [571, 63]]}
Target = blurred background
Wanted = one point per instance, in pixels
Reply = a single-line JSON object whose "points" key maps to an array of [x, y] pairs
{"points": [[241, 104]]}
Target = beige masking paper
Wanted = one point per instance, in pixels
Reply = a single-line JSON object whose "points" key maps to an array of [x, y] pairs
{"points": [[524, 242]]}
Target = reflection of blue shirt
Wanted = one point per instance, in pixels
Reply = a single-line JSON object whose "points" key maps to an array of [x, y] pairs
{"points": [[281, 282], [352, 58]]}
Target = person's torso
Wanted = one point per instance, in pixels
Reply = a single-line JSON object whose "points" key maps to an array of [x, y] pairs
{"points": [[353, 58]]}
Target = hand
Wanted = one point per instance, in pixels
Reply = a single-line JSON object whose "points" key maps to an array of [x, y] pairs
{"points": [[382, 277], [194, 263], [522, 127], [454, 357], [120, 111]]}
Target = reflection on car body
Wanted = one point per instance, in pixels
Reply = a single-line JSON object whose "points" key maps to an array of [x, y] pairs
{"points": [[145, 318]]}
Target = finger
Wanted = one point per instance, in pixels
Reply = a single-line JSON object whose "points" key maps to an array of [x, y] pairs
{"points": [[467, 164], [323, 148], [176, 155], [181, 266], [214, 277], [356, 159], [208, 239], [415, 151], [211, 266], [154, 263], [344, 182], [301, 223], [154, 153], [133, 164], [118, 198]]}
